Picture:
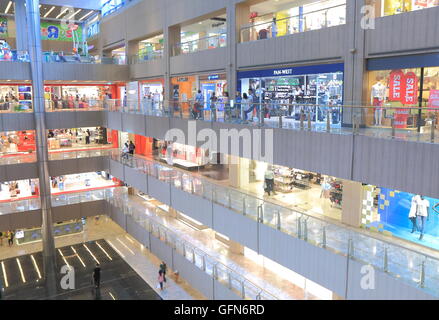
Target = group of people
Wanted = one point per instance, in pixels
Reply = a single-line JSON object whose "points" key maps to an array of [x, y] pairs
{"points": [[8, 235], [68, 101], [7, 101], [128, 149]]}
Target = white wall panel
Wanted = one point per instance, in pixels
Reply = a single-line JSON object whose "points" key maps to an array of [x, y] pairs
{"points": [[159, 190], [205, 60], [192, 205]]}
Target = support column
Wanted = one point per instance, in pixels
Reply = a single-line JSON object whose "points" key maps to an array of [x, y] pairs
{"points": [[354, 68], [131, 49], [21, 27], [34, 37], [352, 203], [237, 15], [171, 37]]}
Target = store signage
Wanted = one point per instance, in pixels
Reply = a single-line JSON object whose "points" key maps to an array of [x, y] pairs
{"points": [[182, 79], [59, 32], [433, 100], [410, 95], [283, 72], [395, 85], [213, 77]]}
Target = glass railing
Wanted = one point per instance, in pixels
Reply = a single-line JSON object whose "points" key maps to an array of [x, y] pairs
{"points": [[314, 20], [19, 158], [414, 267], [15, 56], [236, 282], [146, 56], [75, 105], [71, 57], [212, 42], [78, 154]]}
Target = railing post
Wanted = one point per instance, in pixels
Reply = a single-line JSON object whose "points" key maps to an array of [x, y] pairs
{"points": [[192, 186], [215, 272], [260, 214], [324, 237], [299, 227], [350, 248], [193, 256], [242, 290], [328, 120], [229, 200], [280, 121], [309, 119], [244, 207], [433, 125], [184, 250], [305, 229], [229, 280], [278, 219], [386, 261], [422, 276], [261, 115], [392, 122], [204, 263]]}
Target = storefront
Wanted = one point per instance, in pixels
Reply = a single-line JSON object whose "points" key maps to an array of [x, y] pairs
{"points": [[406, 81], [391, 7], [76, 138], [152, 89], [213, 83], [19, 190], [15, 97], [183, 156], [320, 85], [26, 236], [82, 182], [17, 142], [397, 213], [144, 145]]}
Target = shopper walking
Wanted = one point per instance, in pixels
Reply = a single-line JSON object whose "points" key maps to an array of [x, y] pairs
{"points": [[131, 148], [245, 106], [87, 136], [161, 279], [413, 211], [198, 105], [269, 180], [97, 276], [125, 150], [10, 238], [163, 268]]}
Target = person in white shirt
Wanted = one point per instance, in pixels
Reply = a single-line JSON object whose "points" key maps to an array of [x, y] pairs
{"points": [[269, 180], [422, 212], [413, 211]]}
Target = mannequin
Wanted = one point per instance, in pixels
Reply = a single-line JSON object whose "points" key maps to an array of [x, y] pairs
{"points": [[422, 213], [377, 99]]}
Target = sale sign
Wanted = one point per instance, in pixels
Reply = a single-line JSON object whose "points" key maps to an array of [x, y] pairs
{"points": [[396, 85], [410, 95]]}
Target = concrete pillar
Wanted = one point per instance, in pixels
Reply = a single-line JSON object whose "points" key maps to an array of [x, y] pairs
{"points": [[354, 68], [352, 203], [171, 37], [131, 49], [236, 16], [21, 28], [34, 38]]}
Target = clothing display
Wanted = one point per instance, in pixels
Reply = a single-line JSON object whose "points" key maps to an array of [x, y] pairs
{"points": [[378, 92]]}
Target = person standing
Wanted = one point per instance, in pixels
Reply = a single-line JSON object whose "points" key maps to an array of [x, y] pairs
{"points": [[161, 279], [198, 105], [97, 276], [131, 148], [269, 180], [10, 238], [87, 136], [413, 211], [163, 268], [423, 208]]}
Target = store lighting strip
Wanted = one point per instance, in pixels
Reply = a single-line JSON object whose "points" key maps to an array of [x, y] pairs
{"points": [[111, 295], [126, 246], [65, 261], [74, 14], [104, 251], [82, 262], [4, 275], [129, 239], [21, 270], [97, 261], [36, 266], [8, 7], [61, 13], [86, 15], [115, 249], [48, 12]]}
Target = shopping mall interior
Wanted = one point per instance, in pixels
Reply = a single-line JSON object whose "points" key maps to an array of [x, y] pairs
{"points": [[229, 150]]}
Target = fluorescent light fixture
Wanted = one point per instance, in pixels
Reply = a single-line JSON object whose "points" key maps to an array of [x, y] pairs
{"points": [[36, 266], [61, 13], [126, 247], [48, 12], [65, 261], [97, 261], [21, 270], [74, 14], [5, 275], [114, 247], [106, 253], [111, 295], [82, 262], [94, 19], [86, 15], [8, 7]]}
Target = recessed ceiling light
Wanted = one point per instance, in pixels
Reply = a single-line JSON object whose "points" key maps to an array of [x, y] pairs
{"points": [[74, 14], [200, 22], [48, 12], [8, 7], [86, 15]]}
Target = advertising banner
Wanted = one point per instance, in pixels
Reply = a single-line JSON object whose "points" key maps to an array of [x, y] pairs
{"points": [[410, 95], [59, 32], [396, 85]]}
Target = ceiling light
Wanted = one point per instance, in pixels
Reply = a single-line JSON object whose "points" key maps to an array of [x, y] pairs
{"points": [[199, 22], [5, 275], [86, 15], [48, 12], [8, 7], [61, 13], [94, 19], [74, 14], [21, 270], [36, 266]]}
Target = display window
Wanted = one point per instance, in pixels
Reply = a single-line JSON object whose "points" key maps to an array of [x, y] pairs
{"points": [[77, 139], [391, 7], [151, 48], [82, 182], [17, 142], [15, 97], [414, 88], [152, 93], [214, 84], [401, 214], [292, 90], [19, 190]]}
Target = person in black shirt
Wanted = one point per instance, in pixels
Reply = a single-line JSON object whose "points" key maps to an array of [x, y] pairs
{"points": [[97, 276]]}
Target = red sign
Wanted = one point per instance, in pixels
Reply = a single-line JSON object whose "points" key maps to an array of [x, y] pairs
{"points": [[396, 83], [421, 3], [410, 94]]}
